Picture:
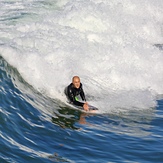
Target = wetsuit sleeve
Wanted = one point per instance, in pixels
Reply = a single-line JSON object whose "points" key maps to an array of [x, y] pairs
{"points": [[82, 94], [72, 98]]}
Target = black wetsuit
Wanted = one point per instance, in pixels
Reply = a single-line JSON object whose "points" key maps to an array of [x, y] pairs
{"points": [[71, 92]]}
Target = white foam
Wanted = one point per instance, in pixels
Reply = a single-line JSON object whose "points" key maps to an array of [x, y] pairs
{"points": [[109, 44]]}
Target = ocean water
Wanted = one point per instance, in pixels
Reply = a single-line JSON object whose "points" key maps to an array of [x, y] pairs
{"points": [[117, 50]]}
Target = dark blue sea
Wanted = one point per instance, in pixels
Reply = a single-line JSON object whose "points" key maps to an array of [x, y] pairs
{"points": [[114, 47]]}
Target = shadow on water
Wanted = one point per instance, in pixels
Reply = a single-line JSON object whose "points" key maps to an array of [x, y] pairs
{"points": [[68, 118]]}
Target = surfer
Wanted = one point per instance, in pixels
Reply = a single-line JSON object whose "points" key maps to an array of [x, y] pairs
{"points": [[75, 89]]}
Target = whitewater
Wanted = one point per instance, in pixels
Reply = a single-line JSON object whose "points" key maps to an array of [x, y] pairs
{"points": [[116, 47], [109, 44]]}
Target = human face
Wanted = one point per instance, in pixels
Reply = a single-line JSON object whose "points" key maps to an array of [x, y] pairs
{"points": [[76, 82]]}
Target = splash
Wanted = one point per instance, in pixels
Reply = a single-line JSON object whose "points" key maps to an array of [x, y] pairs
{"points": [[110, 45]]}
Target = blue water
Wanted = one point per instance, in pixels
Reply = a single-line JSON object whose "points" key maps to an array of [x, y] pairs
{"points": [[114, 47]]}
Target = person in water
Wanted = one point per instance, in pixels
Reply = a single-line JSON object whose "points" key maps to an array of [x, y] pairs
{"points": [[75, 89]]}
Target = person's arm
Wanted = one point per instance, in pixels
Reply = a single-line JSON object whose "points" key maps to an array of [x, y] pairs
{"points": [[85, 105], [72, 98], [82, 94]]}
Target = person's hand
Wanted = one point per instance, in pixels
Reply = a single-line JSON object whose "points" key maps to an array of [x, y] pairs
{"points": [[86, 107]]}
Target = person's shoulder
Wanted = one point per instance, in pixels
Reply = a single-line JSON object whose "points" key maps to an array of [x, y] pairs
{"points": [[70, 86], [81, 86]]}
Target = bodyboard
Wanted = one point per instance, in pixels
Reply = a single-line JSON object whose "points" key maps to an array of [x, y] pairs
{"points": [[92, 109]]}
